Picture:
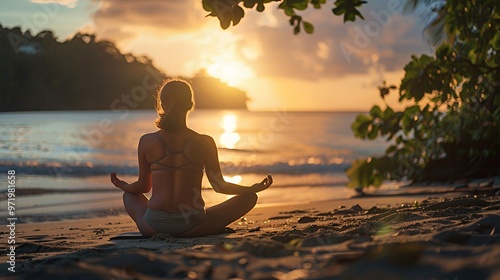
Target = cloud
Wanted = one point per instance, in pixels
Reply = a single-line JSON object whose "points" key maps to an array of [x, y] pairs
{"points": [[125, 19], [67, 3], [265, 42], [384, 41]]}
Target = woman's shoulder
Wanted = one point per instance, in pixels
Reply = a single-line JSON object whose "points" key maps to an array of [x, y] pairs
{"points": [[148, 137], [205, 137]]}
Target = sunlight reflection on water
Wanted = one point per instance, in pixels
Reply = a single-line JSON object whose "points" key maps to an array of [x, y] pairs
{"points": [[229, 137]]}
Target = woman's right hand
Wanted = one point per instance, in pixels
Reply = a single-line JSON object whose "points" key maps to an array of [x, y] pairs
{"points": [[117, 182], [266, 183]]}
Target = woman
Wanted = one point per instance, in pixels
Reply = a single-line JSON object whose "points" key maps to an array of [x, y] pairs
{"points": [[171, 163]]}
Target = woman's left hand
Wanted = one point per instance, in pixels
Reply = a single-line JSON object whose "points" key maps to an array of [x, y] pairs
{"points": [[266, 183], [117, 182]]}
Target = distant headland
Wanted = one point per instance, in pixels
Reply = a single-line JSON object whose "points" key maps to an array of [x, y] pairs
{"points": [[40, 73]]}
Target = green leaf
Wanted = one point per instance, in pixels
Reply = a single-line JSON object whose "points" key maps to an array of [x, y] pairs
{"points": [[376, 112], [373, 132], [495, 42], [225, 20], [260, 7], [296, 29], [377, 180], [444, 51], [238, 14], [302, 5], [360, 125], [338, 11], [207, 5], [308, 27], [249, 3], [359, 174], [496, 101], [411, 111], [391, 150], [388, 113], [349, 17], [357, 13]]}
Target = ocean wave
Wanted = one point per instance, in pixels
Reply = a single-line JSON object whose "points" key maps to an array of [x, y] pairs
{"points": [[52, 191], [92, 169], [284, 168]]}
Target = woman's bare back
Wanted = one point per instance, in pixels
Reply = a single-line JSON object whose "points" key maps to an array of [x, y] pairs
{"points": [[177, 161]]}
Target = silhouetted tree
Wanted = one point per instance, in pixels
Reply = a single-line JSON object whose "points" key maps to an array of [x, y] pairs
{"points": [[83, 73]]}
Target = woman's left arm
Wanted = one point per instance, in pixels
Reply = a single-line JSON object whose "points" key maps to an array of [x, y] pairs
{"points": [[143, 184]]}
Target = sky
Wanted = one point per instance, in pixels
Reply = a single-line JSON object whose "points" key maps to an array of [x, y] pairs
{"points": [[338, 68]]}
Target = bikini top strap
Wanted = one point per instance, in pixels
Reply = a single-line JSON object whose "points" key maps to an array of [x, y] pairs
{"points": [[163, 141]]}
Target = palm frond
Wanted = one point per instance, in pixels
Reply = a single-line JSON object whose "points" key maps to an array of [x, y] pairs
{"points": [[434, 14]]}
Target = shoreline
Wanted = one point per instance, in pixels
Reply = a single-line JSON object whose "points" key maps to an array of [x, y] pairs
{"points": [[394, 237], [61, 204]]}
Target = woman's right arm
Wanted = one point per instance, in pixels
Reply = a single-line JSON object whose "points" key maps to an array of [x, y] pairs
{"points": [[214, 173]]}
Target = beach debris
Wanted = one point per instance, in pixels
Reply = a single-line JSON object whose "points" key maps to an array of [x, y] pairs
{"points": [[227, 246], [325, 214], [98, 231], [243, 261], [280, 217], [307, 219], [465, 202], [307, 265], [294, 243], [313, 228], [345, 212], [376, 210], [254, 229], [295, 212], [192, 275], [229, 230], [383, 230], [357, 208], [39, 237]]}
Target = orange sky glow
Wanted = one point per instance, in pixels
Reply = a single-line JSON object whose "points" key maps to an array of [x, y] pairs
{"points": [[337, 68]]}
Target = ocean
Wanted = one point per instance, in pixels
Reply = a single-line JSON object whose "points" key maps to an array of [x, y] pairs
{"points": [[62, 160]]}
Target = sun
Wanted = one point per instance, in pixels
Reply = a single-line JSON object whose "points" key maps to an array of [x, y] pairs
{"points": [[230, 71]]}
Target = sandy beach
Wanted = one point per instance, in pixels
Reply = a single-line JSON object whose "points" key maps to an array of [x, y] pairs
{"points": [[404, 237]]}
